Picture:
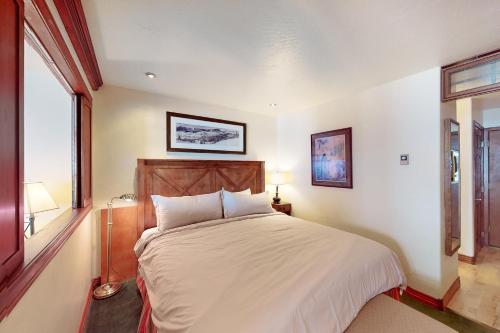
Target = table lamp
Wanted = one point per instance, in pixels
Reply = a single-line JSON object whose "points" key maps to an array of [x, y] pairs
{"points": [[277, 178], [109, 289], [36, 200]]}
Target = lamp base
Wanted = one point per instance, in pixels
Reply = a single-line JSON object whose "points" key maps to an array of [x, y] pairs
{"points": [[276, 200], [107, 290]]}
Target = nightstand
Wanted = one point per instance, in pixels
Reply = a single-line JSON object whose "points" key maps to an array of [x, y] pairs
{"points": [[283, 207]]}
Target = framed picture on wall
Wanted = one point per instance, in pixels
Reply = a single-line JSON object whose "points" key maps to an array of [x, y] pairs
{"points": [[194, 134], [331, 158]]}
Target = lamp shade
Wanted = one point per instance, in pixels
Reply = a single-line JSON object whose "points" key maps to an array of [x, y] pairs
{"points": [[37, 199], [277, 178]]}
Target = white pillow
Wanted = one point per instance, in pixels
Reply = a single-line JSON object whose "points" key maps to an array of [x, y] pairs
{"points": [[173, 212], [247, 191], [236, 204]]}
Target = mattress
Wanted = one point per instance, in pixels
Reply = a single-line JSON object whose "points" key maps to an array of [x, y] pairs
{"points": [[262, 273]]}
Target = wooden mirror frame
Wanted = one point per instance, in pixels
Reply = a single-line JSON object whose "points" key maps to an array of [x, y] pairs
{"points": [[450, 245]]}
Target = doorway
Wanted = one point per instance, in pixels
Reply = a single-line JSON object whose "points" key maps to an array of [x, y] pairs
{"points": [[479, 268]]}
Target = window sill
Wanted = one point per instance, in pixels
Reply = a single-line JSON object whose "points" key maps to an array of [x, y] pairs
{"points": [[19, 282], [43, 237]]}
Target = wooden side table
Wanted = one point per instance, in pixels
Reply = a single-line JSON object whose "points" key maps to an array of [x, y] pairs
{"points": [[283, 207]]}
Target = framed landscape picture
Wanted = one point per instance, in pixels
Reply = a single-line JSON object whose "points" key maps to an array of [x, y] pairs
{"points": [[187, 133], [331, 158]]}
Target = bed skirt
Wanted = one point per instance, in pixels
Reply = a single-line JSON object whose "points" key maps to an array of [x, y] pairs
{"points": [[145, 322]]}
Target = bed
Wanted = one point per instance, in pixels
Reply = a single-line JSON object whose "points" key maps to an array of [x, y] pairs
{"points": [[254, 273]]}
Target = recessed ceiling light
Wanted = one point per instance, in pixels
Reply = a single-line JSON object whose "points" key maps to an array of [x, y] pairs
{"points": [[150, 75], [273, 105]]}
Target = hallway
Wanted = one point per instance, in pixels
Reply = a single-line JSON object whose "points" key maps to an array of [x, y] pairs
{"points": [[479, 296]]}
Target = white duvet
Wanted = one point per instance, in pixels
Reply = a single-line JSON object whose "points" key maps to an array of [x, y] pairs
{"points": [[262, 273]]}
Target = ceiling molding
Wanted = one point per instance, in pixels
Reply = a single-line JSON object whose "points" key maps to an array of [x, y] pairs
{"points": [[73, 17]]}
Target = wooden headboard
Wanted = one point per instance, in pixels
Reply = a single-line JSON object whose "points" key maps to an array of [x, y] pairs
{"points": [[173, 178]]}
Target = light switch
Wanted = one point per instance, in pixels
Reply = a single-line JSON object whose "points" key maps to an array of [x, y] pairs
{"points": [[404, 159]]}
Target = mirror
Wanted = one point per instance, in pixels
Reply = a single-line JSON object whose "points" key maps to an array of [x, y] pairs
{"points": [[452, 185]]}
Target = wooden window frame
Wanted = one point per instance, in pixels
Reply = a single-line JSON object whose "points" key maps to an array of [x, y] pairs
{"points": [[448, 70], [73, 18], [38, 18]]}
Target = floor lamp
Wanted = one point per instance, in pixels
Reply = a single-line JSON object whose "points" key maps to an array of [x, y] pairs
{"points": [[109, 289]]}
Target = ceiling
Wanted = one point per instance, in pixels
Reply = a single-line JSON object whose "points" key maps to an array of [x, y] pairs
{"points": [[246, 54]]}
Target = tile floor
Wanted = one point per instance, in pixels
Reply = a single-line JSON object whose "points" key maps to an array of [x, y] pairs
{"points": [[479, 295]]}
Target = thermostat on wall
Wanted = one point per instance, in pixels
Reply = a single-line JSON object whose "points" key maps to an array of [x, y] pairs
{"points": [[404, 159]]}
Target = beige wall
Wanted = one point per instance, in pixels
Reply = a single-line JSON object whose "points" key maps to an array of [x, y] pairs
{"points": [[55, 301], [400, 206], [130, 124]]}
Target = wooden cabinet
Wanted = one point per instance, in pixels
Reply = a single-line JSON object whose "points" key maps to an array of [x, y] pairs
{"points": [[283, 207], [123, 260], [11, 139]]}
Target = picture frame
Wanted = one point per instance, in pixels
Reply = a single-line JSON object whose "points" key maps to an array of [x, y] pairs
{"points": [[196, 134], [331, 158]]}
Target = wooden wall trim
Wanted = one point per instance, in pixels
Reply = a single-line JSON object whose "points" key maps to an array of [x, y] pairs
{"points": [[42, 23], [435, 303], [455, 286], [424, 298], [73, 17], [467, 259]]}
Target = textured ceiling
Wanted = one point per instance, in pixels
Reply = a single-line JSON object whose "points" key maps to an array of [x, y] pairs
{"points": [[247, 54]]}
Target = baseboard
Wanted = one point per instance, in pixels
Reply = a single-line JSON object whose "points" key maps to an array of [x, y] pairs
{"points": [[451, 292], [424, 298], [435, 303], [93, 284], [467, 259]]}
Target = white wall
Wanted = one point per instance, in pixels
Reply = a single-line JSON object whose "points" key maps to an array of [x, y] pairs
{"points": [[399, 206], [130, 124], [55, 301]]}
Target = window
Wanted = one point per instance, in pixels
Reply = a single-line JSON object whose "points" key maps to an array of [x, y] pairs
{"points": [[48, 134]]}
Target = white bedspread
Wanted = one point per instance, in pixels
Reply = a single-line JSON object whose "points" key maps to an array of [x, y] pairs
{"points": [[262, 273]]}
